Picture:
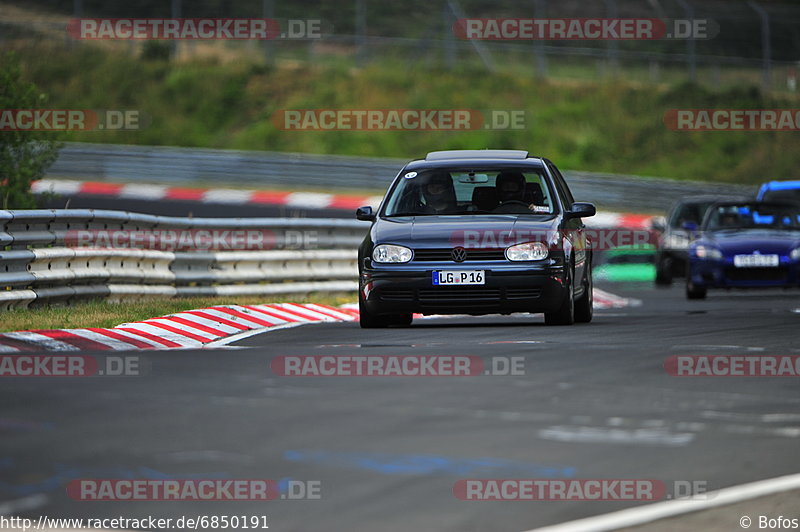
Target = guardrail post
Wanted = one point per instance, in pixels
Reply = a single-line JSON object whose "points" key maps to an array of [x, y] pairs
{"points": [[766, 46]]}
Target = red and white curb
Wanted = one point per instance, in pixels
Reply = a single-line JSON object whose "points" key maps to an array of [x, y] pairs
{"points": [[189, 329], [207, 327], [303, 200]]}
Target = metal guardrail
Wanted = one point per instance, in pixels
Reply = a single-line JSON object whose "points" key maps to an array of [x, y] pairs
{"points": [[118, 163], [39, 264]]}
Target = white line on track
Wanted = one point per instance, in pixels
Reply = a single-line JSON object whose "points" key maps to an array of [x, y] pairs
{"points": [[26, 504], [660, 510]]}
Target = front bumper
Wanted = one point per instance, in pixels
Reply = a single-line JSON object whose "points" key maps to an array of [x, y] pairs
{"points": [[723, 274], [509, 287]]}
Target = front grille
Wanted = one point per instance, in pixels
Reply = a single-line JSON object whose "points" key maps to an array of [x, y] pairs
{"points": [[456, 294], [389, 294], [463, 294], [756, 274], [523, 293], [445, 255]]}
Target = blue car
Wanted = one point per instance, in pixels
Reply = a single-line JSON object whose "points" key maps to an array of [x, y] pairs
{"points": [[745, 245]]}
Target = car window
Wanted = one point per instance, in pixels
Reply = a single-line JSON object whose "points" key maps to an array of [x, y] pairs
{"points": [[561, 185], [744, 216], [788, 195], [688, 212], [477, 191]]}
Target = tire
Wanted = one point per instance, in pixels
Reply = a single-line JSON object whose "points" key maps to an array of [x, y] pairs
{"points": [[565, 315], [695, 292], [368, 320], [584, 307], [664, 272]]}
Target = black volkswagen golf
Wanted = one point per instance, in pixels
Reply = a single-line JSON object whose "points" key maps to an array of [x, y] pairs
{"points": [[476, 232]]}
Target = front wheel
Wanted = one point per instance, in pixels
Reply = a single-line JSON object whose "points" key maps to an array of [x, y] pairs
{"points": [[695, 292], [368, 320], [664, 272], [565, 315]]}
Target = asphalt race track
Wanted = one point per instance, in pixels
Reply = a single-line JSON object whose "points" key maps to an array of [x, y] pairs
{"points": [[594, 402]]}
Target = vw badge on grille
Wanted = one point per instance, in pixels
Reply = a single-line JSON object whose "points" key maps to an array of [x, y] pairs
{"points": [[459, 254]]}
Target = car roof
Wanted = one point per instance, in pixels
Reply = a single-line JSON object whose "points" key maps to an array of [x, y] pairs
{"points": [[476, 154], [476, 159], [780, 185]]}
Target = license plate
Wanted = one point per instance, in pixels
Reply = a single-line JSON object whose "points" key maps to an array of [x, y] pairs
{"points": [[755, 261], [466, 277]]}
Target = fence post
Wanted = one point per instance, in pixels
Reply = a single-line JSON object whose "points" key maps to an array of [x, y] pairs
{"points": [[77, 12], [612, 46], [688, 11], [539, 10], [361, 31], [268, 11], [766, 47], [176, 13], [449, 39]]}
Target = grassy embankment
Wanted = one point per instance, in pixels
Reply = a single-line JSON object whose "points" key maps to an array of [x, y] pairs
{"points": [[612, 126]]}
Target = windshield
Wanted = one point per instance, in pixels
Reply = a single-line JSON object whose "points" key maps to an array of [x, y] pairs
{"points": [[689, 212], [786, 195], [479, 191], [749, 216]]}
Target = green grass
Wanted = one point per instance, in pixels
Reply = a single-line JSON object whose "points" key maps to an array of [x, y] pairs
{"points": [[106, 314], [607, 126]]}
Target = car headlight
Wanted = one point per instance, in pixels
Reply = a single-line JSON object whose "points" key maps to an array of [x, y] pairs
{"points": [[795, 254], [388, 254], [707, 252], [527, 251], [676, 242]]}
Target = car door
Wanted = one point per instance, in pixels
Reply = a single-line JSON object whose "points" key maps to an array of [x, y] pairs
{"points": [[574, 228]]}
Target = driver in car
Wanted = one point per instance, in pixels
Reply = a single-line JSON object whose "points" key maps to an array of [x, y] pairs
{"points": [[439, 194], [510, 192]]}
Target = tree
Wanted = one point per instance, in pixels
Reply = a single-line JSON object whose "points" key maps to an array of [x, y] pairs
{"points": [[24, 155]]}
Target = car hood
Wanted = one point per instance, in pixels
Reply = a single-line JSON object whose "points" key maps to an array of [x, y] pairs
{"points": [[446, 231], [764, 241]]}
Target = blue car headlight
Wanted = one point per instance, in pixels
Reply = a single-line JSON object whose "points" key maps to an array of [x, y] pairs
{"points": [[527, 251], [707, 252], [795, 254], [391, 254]]}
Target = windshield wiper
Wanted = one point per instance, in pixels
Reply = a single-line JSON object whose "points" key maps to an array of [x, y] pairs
{"points": [[407, 214]]}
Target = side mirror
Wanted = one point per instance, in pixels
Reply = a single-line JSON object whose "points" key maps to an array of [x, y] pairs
{"points": [[581, 210], [658, 223], [365, 214], [689, 227]]}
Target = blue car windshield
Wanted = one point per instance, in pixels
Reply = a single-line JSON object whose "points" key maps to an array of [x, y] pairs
{"points": [[785, 195], [737, 217], [478, 192]]}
